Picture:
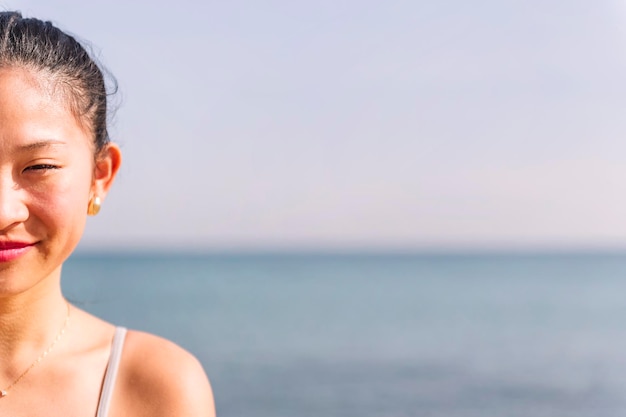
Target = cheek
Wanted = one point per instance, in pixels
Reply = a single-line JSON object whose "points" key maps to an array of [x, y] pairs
{"points": [[61, 199]]}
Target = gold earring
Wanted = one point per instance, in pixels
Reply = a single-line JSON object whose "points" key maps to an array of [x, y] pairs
{"points": [[94, 206]]}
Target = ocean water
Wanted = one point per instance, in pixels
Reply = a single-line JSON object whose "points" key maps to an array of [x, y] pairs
{"points": [[380, 335]]}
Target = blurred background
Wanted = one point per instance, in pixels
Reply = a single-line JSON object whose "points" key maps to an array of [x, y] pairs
{"points": [[367, 208]]}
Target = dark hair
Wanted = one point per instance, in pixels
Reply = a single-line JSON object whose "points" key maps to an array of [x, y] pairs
{"points": [[42, 47]]}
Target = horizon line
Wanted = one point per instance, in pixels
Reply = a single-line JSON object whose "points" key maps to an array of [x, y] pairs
{"points": [[461, 250]]}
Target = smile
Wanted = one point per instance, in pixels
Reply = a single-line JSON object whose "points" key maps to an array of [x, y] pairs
{"points": [[13, 250]]}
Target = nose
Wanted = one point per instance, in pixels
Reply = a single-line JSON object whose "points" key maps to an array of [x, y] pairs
{"points": [[13, 208]]}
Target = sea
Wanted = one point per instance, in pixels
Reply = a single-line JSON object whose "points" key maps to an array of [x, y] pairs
{"points": [[380, 334]]}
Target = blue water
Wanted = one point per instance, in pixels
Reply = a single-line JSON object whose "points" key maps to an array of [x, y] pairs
{"points": [[380, 335]]}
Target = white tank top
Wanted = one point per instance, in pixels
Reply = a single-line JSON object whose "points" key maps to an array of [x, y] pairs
{"points": [[111, 372]]}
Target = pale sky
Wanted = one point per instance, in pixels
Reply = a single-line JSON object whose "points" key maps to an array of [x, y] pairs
{"points": [[360, 123]]}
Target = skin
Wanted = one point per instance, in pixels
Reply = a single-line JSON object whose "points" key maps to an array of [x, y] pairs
{"points": [[48, 173]]}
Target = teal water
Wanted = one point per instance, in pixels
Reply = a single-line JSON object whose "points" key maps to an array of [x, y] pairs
{"points": [[380, 335]]}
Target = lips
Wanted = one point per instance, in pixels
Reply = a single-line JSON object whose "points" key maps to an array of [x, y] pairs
{"points": [[10, 250]]}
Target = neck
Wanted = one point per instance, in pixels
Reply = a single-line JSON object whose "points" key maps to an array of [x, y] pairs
{"points": [[29, 321]]}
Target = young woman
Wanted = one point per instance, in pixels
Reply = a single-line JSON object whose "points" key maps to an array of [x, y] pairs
{"points": [[56, 167]]}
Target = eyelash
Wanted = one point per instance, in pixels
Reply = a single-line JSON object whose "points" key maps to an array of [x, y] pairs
{"points": [[41, 167]]}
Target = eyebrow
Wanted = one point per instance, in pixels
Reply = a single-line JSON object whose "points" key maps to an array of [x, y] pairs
{"points": [[40, 144]]}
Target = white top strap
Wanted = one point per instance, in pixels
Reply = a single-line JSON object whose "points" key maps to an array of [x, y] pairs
{"points": [[111, 372]]}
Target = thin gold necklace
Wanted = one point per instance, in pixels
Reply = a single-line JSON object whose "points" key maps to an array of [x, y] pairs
{"points": [[5, 392]]}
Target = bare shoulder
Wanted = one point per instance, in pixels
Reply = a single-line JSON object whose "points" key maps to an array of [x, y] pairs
{"points": [[159, 378]]}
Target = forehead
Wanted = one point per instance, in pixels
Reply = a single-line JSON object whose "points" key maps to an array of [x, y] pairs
{"points": [[33, 108], [28, 89]]}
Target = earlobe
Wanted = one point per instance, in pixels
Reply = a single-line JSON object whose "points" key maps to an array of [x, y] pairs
{"points": [[106, 167]]}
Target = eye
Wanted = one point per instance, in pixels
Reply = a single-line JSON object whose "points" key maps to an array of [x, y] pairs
{"points": [[41, 167]]}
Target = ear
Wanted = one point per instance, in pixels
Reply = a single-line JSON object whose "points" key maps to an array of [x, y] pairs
{"points": [[107, 165]]}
